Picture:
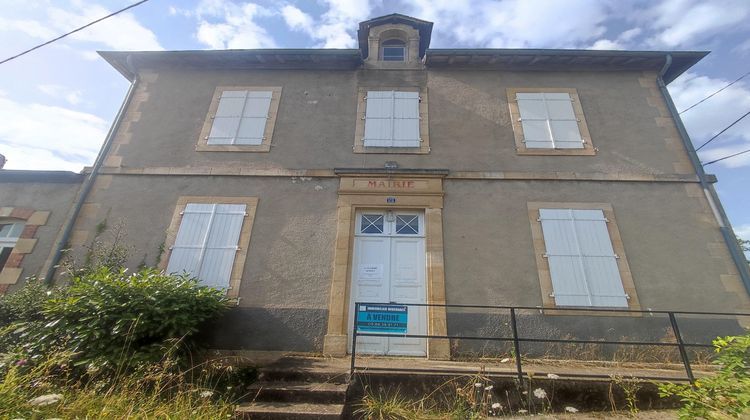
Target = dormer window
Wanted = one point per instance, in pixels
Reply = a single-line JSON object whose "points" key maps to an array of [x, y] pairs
{"points": [[394, 50]]}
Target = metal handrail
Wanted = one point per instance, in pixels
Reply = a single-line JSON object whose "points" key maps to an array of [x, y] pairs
{"points": [[679, 343]]}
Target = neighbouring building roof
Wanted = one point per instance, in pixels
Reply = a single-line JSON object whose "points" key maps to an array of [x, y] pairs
{"points": [[62, 177]]}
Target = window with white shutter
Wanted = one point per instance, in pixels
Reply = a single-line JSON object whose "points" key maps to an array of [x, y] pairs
{"points": [[240, 119], [392, 119], [548, 121], [582, 263], [207, 242]]}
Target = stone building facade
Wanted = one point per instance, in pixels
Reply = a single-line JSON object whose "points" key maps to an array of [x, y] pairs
{"points": [[304, 180]]}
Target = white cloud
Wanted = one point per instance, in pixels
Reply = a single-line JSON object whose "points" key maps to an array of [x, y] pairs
{"points": [[29, 27], [225, 24], [514, 23], [622, 42], [686, 22], [710, 117], [296, 18], [73, 97], [606, 44], [35, 136], [120, 32], [336, 27]]}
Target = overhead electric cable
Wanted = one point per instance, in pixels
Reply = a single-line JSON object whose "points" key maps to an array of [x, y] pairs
{"points": [[722, 131], [73, 31], [711, 95], [727, 157]]}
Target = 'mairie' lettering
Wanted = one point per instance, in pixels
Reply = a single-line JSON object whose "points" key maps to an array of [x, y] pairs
{"points": [[390, 184]]}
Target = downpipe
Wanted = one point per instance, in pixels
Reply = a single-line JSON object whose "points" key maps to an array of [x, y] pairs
{"points": [[89, 181], [738, 257]]}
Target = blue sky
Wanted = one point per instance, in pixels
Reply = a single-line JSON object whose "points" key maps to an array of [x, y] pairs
{"points": [[56, 104]]}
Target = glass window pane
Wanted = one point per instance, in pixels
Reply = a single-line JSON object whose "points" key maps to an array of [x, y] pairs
{"points": [[407, 224], [4, 254], [371, 223], [393, 53], [11, 230]]}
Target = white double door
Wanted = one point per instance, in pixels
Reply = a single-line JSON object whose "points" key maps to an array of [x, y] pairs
{"points": [[389, 266]]}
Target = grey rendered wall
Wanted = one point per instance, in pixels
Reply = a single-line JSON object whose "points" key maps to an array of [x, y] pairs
{"points": [[57, 198], [669, 233], [284, 289], [468, 116], [489, 260]]}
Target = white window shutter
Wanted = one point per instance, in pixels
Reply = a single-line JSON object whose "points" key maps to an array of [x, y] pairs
{"points": [[240, 117], [406, 119], [548, 121], [207, 242], [583, 265], [254, 118], [379, 119]]}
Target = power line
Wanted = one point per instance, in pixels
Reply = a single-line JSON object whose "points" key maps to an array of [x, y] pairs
{"points": [[727, 157], [711, 95], [722, 131], [73, 31]]}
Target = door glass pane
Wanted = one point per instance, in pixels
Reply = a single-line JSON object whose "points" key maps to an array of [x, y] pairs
{"points": [[407, 225], [371, 223]]}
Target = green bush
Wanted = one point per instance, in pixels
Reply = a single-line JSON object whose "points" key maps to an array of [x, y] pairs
{"points": [[109, 318], [24, 305], [724, 395]]}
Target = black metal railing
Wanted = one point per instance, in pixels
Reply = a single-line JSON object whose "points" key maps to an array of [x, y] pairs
{"points": [[517, 339]]}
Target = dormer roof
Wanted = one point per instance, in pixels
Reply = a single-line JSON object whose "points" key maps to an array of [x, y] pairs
{"points": [[424, 27]]}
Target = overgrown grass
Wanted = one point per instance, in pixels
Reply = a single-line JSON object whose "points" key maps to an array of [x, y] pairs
{"points": [[50, 390], [469, 397]]}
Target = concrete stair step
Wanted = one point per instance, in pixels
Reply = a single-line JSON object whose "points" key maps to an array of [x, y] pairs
{"points": [[312, 392], [287, 410], [295, 374]]}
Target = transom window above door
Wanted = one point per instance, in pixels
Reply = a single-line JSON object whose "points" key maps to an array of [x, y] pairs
{"points": [[388, 223]]}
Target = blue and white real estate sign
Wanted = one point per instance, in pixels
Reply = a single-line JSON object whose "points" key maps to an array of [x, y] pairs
{"points": [[386, 319]]}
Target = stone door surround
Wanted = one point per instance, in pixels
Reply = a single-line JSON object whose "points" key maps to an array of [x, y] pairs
{"points": [[397, 191]]}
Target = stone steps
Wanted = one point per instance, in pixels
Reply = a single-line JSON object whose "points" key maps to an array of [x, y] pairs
{"points": [[312, 392], [286, 410], [296, 388]]}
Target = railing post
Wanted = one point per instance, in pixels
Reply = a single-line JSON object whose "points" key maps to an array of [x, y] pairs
{"points": [[681, 346], [354, 340], [516, 345]]}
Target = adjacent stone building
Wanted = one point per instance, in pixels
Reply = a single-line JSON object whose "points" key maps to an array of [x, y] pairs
{"points": [[304, 180]]}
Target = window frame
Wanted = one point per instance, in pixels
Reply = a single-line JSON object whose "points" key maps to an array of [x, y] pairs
{"points": [[515, 116], [238, 265], [545, 278], [393, 43], [264, 146], [359, 131], [9, 242]]}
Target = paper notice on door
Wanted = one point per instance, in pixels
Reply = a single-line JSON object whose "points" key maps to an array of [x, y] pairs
{"points": [[370, 271]]}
